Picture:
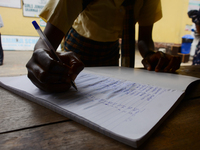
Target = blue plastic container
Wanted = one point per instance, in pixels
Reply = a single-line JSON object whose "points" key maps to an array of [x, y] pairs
{"points": [[186, 44]]}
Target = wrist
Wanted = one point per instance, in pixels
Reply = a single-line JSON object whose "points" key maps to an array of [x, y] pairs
{"points": [[150, 52]]}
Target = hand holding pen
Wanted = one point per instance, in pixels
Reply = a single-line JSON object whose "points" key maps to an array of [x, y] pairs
{"points": [[52, 71], [44, 38]]}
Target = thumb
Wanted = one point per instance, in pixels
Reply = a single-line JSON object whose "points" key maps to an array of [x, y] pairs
{"points": [[146, 64]]}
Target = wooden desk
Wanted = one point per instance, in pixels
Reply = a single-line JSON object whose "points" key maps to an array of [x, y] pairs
{"points": [[26, 125]]}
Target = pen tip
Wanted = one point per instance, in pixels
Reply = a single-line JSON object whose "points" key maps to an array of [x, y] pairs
{"points": [[74, 85]]}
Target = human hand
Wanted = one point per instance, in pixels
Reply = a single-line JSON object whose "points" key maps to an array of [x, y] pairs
{"points": [[160, 61], [50, 75]]}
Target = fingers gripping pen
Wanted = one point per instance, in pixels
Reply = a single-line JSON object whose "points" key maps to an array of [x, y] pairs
{"points": [[46, 41]]}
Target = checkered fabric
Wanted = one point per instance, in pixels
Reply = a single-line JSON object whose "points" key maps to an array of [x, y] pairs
{"points": [[92, 53]]}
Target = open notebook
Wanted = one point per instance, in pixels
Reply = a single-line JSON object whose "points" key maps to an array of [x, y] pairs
{"points": [[123, 103]]}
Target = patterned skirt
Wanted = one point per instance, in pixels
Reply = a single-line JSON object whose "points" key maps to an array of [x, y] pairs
{"points": [[92, 53]]}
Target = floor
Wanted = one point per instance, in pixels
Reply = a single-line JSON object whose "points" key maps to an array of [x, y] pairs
{"points": [[15, 62]]}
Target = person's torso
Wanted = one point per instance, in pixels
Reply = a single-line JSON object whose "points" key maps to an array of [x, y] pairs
{"points": [[102, 20]]}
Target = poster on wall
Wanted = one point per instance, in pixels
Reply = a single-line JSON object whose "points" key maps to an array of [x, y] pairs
{"points": [[33, 8], [10, 3], [12, 42], [194, 5], [18, 42]]}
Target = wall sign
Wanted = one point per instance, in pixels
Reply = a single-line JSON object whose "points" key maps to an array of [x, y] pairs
{"points": [[11, 3], [10, 42], [194, 5], [32, 8], [18, 42]]}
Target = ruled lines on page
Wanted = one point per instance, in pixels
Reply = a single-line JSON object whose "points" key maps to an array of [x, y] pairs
{"points": [[112, 103], [125, 109]]}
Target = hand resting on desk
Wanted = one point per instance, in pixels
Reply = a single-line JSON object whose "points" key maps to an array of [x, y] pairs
{"points": [[159, 61], [50, 75], [162, 62]]}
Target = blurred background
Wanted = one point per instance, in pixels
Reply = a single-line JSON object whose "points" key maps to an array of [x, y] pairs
{"points": [[18, 36]]}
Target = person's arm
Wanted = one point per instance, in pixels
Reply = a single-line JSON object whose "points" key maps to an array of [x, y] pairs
{"points": [[43, 69], [53, 34], [157, 61], [47, 73], [145, 35], [197, 28]]}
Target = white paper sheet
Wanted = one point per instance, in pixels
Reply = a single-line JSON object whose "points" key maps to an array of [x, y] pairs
{"points": [[124, 110]]}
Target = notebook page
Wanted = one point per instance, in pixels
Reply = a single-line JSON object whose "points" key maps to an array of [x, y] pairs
{"points": [[170, 80], [126, 108], [123, 107]]}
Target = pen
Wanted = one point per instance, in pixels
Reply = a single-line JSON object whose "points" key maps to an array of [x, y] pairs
{"points": [[46, 41]]}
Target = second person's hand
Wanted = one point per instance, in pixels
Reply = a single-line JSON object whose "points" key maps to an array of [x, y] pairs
{"points": [[160, 61]]}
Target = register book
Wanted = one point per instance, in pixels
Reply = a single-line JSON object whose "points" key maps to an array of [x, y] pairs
{"points": [[125, 104]]}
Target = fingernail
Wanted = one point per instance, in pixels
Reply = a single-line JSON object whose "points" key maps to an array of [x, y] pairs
{"points": [[148, 67]]}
